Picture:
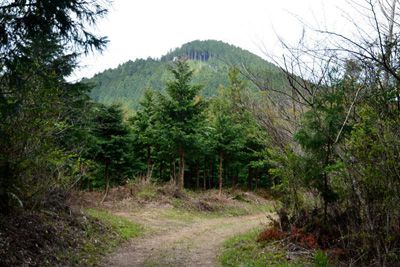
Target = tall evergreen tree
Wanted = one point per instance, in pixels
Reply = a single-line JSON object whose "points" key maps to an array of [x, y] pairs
{"points": [[181, 112], [227, 136], [144, 124], [113, 147], [39, 44]]}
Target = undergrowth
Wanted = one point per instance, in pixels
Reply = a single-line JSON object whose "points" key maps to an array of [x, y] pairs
{"points": [[252, 250], [103, 234], [63, 238], [208, 203]]}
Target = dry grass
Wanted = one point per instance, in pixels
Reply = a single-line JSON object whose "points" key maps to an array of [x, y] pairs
{"points": [[137, 196]]}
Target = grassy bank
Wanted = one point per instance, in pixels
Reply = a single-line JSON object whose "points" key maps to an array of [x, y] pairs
{"points": [[48, 238], [98, 244], [245, 250]]}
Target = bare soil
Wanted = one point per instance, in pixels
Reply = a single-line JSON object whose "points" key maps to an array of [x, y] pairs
{"points": [[177, 242], [182, 228]]}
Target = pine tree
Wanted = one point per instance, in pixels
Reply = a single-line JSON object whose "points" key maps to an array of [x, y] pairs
{"points": [[113, 147], [145, 128], [40, 41], [181, 113]]}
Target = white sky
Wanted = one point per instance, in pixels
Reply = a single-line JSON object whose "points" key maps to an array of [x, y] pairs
{"points": [[150, 28]]}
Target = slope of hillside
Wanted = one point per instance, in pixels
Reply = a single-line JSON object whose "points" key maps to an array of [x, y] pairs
{"points": [[210, 61]]}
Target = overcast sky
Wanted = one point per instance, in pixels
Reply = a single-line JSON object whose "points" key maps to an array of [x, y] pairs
{"points": [[150, 28]]}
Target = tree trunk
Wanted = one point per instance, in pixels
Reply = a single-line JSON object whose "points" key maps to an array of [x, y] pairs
{"points": [[221, 159], [106, 179], [388, 46], [174, 172], [149, 165], [325, 200], [161, 170], [250, 178], [5, 181], [325, 176], [205, 175], [227, 171], [257, 177], [211, 178], [197, 175], [181, 177], [235, 178]]}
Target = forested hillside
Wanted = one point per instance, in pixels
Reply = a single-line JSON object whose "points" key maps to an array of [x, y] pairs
{"points": [[210, 61]]}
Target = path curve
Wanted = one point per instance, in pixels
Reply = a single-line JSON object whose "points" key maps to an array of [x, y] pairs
{"points": [[193, 244]]}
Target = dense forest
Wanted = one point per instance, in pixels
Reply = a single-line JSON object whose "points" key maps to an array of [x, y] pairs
{"points": [[322, 138]]}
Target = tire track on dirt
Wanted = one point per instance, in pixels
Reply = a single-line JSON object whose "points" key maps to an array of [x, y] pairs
{"points": [[193, 243]]}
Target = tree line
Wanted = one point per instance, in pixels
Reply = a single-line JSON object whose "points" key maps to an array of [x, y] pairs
{"points": [[179, 137]]}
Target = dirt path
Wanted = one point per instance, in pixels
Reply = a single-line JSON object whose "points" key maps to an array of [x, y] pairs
{"points": [[180, 243]]}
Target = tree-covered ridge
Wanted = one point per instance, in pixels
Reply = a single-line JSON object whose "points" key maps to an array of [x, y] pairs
{"points": [[210, 61], [212, 49]]}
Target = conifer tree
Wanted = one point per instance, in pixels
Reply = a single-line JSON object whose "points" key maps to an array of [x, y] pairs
{"points": [[113, 148], [40, 41], [181, 112], [145, 127]]}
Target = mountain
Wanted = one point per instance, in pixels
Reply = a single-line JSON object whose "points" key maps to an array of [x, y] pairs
{"points": [[209, 59]]}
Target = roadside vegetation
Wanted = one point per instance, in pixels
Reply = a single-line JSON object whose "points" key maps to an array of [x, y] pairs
{"points": [[245, 250], [125, 228], [263, 247], [62, 237]]}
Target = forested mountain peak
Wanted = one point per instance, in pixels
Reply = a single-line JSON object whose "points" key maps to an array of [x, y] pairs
{"points": [[208, 49], [209, 59]]}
